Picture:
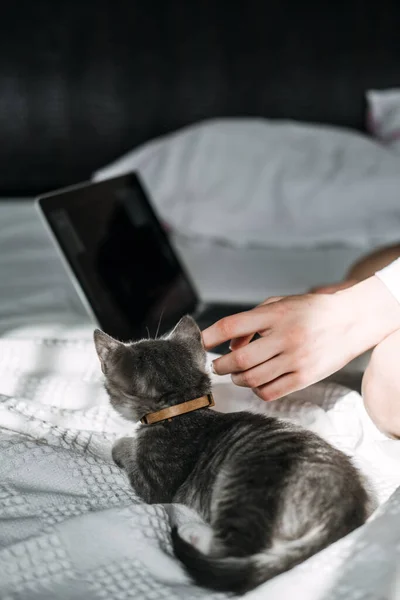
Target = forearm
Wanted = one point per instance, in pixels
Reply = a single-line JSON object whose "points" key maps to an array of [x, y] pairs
{"points": [[375, 306]]}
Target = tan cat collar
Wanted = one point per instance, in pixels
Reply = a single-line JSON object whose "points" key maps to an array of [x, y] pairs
{"points": [[179, 409]]}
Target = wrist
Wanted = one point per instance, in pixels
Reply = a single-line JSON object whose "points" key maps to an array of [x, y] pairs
{"points": [[371, 311]]}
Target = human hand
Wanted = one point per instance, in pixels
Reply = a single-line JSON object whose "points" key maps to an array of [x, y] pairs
{"points": [[303, 338]]}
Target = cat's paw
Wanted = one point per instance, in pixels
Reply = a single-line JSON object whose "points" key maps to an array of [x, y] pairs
{"points": [[121, 450]]}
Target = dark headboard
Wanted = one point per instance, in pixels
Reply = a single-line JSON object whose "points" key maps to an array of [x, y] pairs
{"points": [[81, 82]]}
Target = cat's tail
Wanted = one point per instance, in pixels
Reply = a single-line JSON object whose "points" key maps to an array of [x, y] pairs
{"points": [[220, 574], [240, 575]]}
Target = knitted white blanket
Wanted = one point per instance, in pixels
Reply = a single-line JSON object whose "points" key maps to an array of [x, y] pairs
{"points": [[72, 528]]}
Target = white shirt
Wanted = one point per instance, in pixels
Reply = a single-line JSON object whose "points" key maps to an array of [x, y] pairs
{"points": [[390, 276]]}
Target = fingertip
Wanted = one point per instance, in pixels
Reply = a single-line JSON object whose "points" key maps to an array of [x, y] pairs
{"points": [[233, 345], [205, 337], [214, 366]]}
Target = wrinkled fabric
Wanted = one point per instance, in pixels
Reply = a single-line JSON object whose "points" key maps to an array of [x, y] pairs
{"points": [[71, 526]]}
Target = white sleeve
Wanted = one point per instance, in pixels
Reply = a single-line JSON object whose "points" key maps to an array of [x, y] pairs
{"points": [[390, 276]]}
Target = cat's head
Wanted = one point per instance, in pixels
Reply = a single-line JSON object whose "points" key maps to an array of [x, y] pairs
{"points": [[149, 375]]}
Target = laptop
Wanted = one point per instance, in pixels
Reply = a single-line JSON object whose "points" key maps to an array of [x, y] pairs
{"points": [[119, 257]]}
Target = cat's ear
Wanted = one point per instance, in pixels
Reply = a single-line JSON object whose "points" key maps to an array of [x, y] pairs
{"points": [[105, 345], [188, 330]]}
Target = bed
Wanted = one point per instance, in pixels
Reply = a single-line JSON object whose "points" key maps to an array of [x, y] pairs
{"points": [[70, 526], [91, 89]]}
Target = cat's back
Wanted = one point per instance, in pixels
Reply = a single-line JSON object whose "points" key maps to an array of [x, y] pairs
{"points": [[269, 437], [263, 436], [253, 451]]}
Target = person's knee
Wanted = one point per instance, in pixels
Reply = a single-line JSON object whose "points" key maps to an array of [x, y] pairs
{"points": [[381, 386]]}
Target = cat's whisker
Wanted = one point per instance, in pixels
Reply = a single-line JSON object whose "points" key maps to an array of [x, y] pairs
{"points": [[148, 332], [159, 323]]}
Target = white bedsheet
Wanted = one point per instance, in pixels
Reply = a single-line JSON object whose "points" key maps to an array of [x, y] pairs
{"points": [[225, 273], [36, 289], [70, 526]]}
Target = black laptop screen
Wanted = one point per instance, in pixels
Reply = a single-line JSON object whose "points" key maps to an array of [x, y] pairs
{"points": [[121, 256]]}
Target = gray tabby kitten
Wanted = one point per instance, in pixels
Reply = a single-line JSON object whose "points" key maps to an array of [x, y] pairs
{"points": [[273, 493]]}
